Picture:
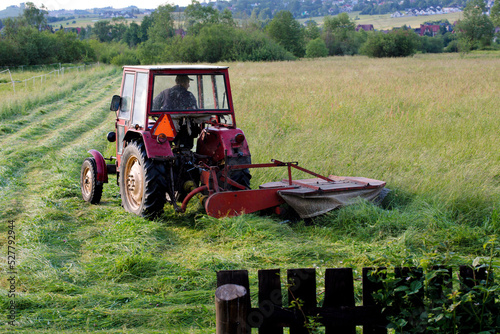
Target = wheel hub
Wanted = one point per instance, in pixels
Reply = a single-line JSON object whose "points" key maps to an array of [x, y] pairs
{"points": [[87, 181], [134, 182]]}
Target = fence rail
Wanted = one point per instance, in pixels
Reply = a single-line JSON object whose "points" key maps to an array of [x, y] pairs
{"points": [[337, 314], [43, 77]]}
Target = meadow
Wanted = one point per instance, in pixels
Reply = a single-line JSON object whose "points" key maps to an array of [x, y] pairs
{"points": [[427, 125]]}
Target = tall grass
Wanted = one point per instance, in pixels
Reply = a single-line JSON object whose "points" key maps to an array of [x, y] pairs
{"points": [[426, 125]]}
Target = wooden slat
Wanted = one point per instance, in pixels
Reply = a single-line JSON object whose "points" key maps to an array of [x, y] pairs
{"points": [[339, 293], [303, 289], [270, 300]]}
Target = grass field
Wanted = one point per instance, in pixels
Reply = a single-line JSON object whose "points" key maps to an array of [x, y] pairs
{"points": [[427, 125], [385, 22]]}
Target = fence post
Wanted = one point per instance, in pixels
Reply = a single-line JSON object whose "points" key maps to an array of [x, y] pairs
{"points": [[13, 84], [339, 292], [231, 309]]}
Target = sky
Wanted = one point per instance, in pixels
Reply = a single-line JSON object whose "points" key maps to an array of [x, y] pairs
{"points": [[86, 4]]}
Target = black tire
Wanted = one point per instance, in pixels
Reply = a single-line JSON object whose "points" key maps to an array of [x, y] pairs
{"points": [[91, 189], [142, 182], [242, 176]]}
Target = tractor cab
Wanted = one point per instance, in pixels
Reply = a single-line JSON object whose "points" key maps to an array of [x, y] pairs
{"points": [[187, 99]]}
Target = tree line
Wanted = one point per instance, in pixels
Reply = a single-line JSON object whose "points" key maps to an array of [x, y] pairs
{"points": [[211, 35]]}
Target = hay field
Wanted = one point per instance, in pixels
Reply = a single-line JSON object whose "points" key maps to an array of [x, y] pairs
{"points": [[427, 125]]}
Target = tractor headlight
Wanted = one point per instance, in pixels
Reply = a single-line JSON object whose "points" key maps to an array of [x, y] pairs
{"points": [[162, 138]]}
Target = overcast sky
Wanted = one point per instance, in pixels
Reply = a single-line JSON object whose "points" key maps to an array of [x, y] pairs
{"points": [[86, 4]]}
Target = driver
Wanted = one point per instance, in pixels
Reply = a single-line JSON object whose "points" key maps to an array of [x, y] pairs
{"points": [[176, 98]]}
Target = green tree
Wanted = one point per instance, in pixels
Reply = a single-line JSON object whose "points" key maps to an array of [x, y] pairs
{"points": [[198, 16], [287, 32], [162, 26], [316, 48], [102, 30], [132, 35], [476, 29], [495, 13], [12, 27], [339, 34], [146, 23], [118, 29], [35, 16], [312, 30]]}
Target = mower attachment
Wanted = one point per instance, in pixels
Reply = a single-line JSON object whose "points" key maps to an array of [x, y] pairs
{"points": [[308, 197]]}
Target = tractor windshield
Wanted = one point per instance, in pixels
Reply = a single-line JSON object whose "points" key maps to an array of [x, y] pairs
{"points": [[193, 92]]}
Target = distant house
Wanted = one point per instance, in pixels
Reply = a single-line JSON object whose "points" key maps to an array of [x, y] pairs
{"points": [[429, 29], [365, 27]]}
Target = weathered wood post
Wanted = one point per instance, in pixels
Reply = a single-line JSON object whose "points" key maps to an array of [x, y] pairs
{"points": [[302, 291], [231, 309], [339, 292]]}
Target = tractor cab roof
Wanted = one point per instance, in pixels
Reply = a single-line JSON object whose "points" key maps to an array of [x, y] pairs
{"points": [[175, 68]]}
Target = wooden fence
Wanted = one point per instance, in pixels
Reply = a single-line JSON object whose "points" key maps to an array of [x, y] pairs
{"points": [[338, 313]]}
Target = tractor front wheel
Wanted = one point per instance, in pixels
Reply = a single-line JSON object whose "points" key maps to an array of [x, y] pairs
{"points": [[142, 182], [91, 189]]}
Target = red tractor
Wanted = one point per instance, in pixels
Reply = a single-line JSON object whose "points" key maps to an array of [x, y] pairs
{"points": [[176, 138]]}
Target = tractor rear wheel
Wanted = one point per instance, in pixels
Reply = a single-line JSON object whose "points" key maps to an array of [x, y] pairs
{"points": [[242, 176], [142, 182], [91, 190]]}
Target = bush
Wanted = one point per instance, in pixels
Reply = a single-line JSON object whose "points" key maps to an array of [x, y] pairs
{"points": [[316, 48], [213, 43], [127, 58], [452, 46], [397, 43], [431, 44], [28, 46]]}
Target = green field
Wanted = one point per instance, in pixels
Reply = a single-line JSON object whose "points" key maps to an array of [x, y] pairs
{"points": [[427, 125], [384, 22]]}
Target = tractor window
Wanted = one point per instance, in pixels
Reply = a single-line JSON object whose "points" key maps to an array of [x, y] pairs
{"points": [[126, 103], [189, 92], [141, 93]]}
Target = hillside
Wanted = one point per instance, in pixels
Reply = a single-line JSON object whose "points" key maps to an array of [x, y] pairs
{"points": [[12, 11], [427, 125]]}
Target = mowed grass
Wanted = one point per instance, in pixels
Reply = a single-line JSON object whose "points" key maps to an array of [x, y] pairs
{"points": [[426, 125]]}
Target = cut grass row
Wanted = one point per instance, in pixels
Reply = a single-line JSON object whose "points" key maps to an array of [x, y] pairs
{"points": [[96, 268]]}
